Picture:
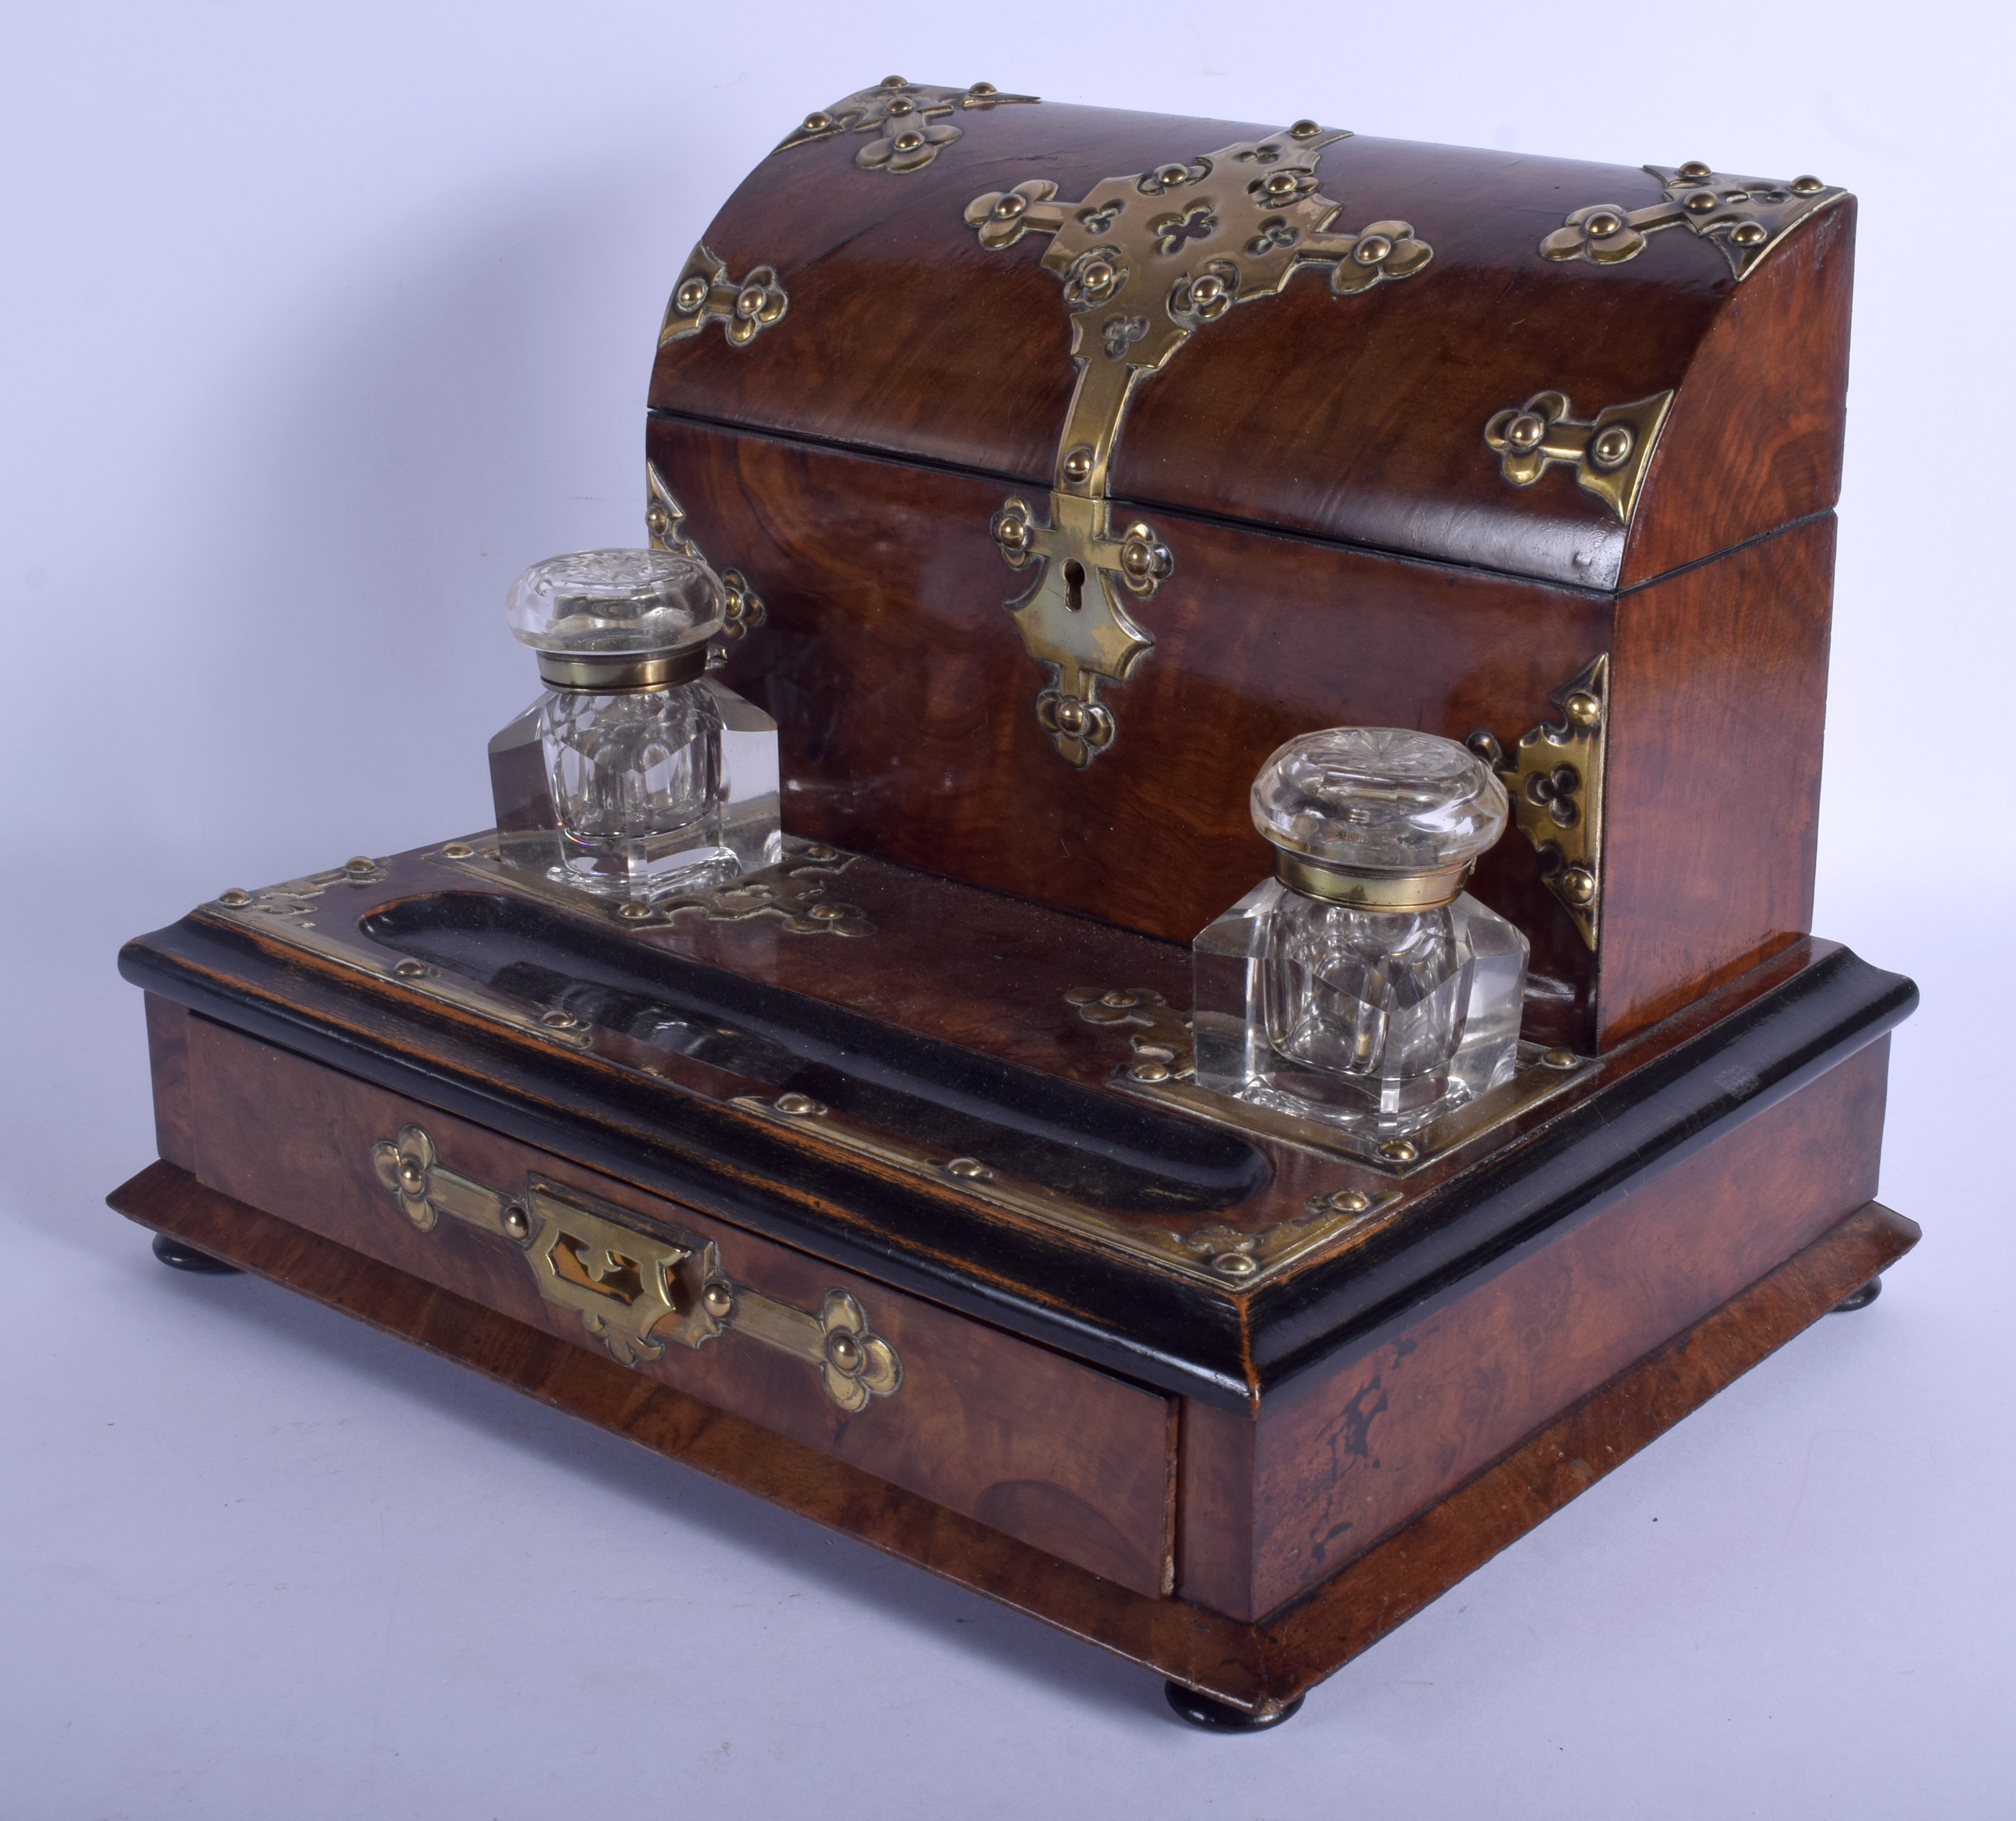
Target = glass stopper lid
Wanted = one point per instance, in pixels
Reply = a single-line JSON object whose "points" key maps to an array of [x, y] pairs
{"points": [[617, 604], [1379, 800]]}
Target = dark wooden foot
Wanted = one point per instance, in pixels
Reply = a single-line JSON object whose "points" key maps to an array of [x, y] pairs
{"points": [[1861, 1299], [182, 1257], [1218, 1716]]}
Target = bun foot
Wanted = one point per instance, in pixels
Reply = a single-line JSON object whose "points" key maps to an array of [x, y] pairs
{"points": [[182, 1257], [1861, 1299], [1218, 1716]]}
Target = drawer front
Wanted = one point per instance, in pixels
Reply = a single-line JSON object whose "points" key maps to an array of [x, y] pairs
{"points": [[1053, 1452]]}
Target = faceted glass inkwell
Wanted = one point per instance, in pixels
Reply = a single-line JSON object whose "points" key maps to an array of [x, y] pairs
{"points": [[635, 774], [1361, 986]]}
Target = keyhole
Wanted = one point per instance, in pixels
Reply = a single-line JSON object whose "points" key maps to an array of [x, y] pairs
{"points": [[1074, 584]]}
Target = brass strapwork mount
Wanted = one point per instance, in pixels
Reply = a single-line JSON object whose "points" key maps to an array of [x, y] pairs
{"points": [[1554, 778], [1146, 261], [1745, 217]]}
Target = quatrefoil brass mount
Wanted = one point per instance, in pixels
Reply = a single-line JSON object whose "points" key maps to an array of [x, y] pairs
{"points": [[1146, 261]]}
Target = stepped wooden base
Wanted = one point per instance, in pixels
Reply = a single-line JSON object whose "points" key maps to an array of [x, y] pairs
{"points": [[1258, 1667]]}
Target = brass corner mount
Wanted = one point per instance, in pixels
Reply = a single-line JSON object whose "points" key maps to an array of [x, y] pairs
{"points": [[664, 523], [1609, 452], [1745, 217], [1554, 778], [910, 121]]}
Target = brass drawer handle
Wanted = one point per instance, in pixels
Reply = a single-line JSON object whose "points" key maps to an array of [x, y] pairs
{"points": [[632, 1290]]}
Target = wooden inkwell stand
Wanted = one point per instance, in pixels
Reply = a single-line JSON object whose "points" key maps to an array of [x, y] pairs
{"points": [[876, 1182]]}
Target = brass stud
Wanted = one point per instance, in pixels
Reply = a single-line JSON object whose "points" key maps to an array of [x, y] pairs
{"points": [[894, 82], [1694, 172], [902, 104], [1747, 233], [1304, 130], [1603, 224], [515, 1221], [983, 89], [691, 294], [1349, 1201], [1399, 1150], [1578, 886], [1010, 207], [909, 142], [360, 863], [1150, 1071], [796, 1106], [457, 850], [1207, 290], [1612, 445], [844, 1351], [1807, 186], [1169, 176], [1097, 276], [234, 896], [1070, 715], [635, 912], [412, 1175], [1013, 534], [1525, 431], [1371, 249], [557, 1020], [1234, 1265], [1280, 184], [1119, 1001], [1078, 464], [827, 911], [1582, 708], [1136, 558], [748, 301], [968, 1169], [409, 968], [1701, 201], [817, 123], [819, 850], [718, 1299], [1559, 1058]]}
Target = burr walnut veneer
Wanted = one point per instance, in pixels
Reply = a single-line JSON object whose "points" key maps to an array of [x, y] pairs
{"points": [[1068, 461]]}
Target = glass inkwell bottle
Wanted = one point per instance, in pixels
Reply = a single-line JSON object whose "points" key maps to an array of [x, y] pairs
{"points": [[1361, 986], [635, 774]]}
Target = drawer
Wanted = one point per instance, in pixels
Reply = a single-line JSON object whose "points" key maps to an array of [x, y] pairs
{"points": [[1050, 1451]]}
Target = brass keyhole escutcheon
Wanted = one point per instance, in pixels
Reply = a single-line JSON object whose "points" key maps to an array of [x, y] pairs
{"points": [[1074, 585]]}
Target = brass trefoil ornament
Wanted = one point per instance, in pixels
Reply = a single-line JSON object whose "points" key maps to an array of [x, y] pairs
{"points": [[1146, 261]]}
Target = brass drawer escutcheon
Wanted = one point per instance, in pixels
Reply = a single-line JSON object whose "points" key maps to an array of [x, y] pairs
{"points": [[634, 1291]]}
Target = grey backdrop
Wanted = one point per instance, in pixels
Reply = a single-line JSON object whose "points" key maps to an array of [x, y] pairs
{"points": [[321, 323]]}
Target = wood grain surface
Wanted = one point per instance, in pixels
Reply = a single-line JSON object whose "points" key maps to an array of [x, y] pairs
{"points": [[1257, 1667], [1359, 419], [1328, 1470]]}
